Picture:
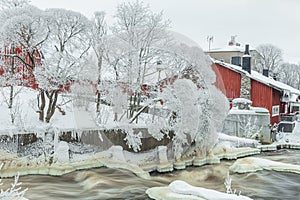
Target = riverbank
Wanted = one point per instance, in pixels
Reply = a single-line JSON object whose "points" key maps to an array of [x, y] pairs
{"points": [[13, 165]]}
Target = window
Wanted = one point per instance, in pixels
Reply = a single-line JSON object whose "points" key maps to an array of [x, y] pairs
{"points": [[275, 110], [236, 60]]}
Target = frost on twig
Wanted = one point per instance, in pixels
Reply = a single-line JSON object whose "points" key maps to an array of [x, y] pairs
{"points": [[133, 140], [227, 183], [14, 192]]}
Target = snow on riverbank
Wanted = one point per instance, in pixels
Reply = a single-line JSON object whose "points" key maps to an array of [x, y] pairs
{"points": [[234, 141], [181, 190]]}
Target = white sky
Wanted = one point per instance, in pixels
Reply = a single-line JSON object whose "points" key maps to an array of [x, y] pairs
{"points": [[253, 21]]}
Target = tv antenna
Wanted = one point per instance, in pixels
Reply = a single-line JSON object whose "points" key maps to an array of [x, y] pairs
{"points": [[210, 40]]}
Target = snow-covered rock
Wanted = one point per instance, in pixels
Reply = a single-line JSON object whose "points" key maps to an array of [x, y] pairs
{"points": [[182, 190]]}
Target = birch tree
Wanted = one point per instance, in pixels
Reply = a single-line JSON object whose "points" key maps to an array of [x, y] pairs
{"points": [[65, 54]]}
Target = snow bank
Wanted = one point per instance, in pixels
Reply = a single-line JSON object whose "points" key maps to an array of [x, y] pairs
{"points": [[26, 118], [182, 190], [61, 165], [253, 164]]}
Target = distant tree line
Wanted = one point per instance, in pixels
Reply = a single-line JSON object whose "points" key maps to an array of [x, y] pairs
{"points": [[270, 57]]}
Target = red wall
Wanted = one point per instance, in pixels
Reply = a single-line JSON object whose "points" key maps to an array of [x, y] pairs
{"points": [[266, 97], [22, 73], [228, 81], [276, 101]]}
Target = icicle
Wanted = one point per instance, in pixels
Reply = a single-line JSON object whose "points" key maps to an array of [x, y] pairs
{"points": [[100, 135]]}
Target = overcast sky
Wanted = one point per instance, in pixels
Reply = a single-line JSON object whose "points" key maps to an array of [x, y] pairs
{"points": [[254, 22]]}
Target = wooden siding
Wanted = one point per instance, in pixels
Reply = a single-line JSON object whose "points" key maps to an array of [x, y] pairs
{"points": [[276, 96], [264, 96], [228, 81]]}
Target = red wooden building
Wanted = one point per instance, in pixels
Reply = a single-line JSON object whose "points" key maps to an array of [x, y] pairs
{"points": [[263, 91], [17, 64]]}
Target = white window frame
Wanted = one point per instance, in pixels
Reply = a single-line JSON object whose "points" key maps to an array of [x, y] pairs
{"points": [[275, 110]]}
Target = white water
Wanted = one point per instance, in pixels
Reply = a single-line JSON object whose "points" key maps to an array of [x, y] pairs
{"points": [[104, 183]]}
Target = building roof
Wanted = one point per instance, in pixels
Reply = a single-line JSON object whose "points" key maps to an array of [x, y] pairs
{"points": [[260, 78], [229, 48]]}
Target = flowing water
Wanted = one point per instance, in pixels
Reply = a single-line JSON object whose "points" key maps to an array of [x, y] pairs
{"points": [[103, 183]]}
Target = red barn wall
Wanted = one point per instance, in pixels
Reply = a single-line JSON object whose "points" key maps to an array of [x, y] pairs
{"points": [[276, 96], [262, 95], [266, 97], [228, 81]]}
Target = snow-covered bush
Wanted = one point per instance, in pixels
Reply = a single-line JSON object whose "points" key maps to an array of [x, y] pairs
{"points": [[193, 116], [182, 99]]}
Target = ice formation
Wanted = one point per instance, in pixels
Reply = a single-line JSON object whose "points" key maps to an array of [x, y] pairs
{"points": [[253, 164]]}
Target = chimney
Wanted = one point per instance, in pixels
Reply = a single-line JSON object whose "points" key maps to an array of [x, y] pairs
{"points": [[247, 52], [275, 76], [246, 65], [266, 72]]}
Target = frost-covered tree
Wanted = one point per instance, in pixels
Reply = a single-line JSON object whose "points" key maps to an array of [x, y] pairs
{"points": [[13, 3], [138, 30], [23, 30], [182, 100], [290, 74], [268, 57], [197, 108], [65, 53], [99, 44], [119, 102], [132, 50]]}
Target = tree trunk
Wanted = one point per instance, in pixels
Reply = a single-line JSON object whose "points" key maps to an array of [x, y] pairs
{"points": [[11, 97], [52, 105], [99, 82], [42, 105]]}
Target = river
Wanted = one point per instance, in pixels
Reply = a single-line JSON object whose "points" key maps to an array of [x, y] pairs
{"points": [[104, 183]]}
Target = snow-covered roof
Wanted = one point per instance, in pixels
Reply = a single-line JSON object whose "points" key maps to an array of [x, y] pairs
{"points": [[228, 48], [260, 78]]}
